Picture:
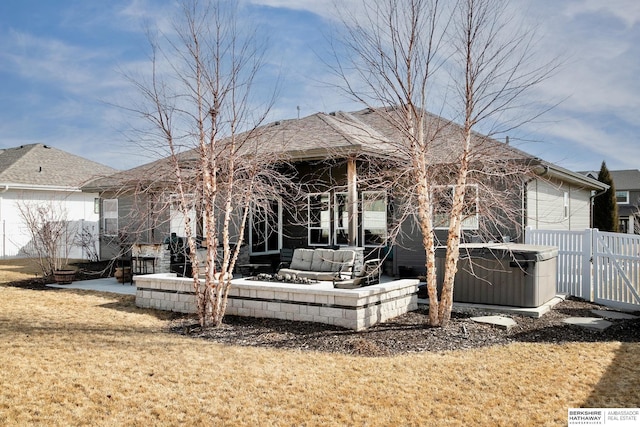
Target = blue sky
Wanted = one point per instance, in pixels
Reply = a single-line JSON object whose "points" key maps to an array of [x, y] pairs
{"points": [[61, 62]]}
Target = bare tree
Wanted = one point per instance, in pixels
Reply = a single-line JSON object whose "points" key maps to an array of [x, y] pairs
{"points": [[402, 55], [200, 106], [52, 234]]}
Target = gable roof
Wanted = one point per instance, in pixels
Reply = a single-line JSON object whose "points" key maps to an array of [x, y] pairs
{"points": [[340, 134], [44, 167]]}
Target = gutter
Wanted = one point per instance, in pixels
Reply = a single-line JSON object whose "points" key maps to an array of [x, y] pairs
{"points": [[8, 186], [567, 175]]}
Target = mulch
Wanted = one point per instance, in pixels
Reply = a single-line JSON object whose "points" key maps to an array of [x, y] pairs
{"points": [[409, 333]]}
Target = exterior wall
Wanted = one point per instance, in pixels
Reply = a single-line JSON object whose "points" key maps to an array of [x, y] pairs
{"points": [[79, 208], [355, 309], [545, 206], [631, 212], [136, 224]]}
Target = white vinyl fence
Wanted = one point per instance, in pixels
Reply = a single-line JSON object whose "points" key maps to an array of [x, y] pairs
{"points": [[80, 242], [595, 265]]}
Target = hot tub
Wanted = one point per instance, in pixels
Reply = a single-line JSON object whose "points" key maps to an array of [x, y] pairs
{"points": [[507, 274]]}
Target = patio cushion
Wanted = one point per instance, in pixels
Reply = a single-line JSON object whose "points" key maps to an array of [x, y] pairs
{"points": [[302, 259], [320, 264], [342, 260], [322, 260]]}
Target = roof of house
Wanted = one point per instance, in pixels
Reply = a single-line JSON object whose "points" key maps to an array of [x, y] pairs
{"points": [[625, 180], [340, 134], [42, 166]]}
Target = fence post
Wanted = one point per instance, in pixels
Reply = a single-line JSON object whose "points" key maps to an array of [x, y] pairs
{"points": [[587, 264]]}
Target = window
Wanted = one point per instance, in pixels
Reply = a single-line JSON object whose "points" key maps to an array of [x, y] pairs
{"points": [[443, 201], [319, 214], [341, 216], [622, 197], [565, 211], [96, 205], [266, 224], [110, 217], [374, 218]]}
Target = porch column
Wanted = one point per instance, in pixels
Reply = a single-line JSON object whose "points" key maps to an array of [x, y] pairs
{"points": [[352, 201]]}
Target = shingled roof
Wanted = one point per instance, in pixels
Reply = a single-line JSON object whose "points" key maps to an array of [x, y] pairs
{"points": [[41, 166], [628, 179], [340, 134]]}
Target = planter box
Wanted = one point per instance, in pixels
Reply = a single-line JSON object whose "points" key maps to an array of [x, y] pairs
{"points": [[64, 277]]}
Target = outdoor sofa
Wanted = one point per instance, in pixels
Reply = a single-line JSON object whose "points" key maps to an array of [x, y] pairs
{"points": [[321, 264]]}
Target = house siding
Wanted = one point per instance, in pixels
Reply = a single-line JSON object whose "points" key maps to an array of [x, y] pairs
{"points": [[135, 224], [545, 201], [79, 208]]}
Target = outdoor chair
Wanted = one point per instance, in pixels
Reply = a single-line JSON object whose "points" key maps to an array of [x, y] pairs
{"points": [[286, 255], [368, 275]]}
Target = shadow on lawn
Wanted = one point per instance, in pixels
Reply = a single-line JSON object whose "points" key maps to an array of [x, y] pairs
{"points": [[127, 304], [621, 330], [618, 387]]}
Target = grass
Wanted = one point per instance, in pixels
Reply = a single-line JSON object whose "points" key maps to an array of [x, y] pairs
{"points": [[80, 358]]}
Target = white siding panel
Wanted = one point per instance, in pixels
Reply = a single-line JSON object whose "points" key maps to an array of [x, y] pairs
{"points": [[546, 206], [580, 209]]}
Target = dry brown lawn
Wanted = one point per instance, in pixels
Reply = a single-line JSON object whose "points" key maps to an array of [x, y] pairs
{"points": [[72, 357]]}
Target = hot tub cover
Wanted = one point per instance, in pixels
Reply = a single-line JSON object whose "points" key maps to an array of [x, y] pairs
{"points": [[513, 251]]}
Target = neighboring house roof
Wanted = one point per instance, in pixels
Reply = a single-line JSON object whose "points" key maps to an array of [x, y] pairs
{"points": [[623, 180], [339, 134], [626, 179], [39, 166]]}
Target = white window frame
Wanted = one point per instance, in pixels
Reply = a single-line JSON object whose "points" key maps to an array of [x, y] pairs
{"points": [[279, 231], [378, 195], [325, 223], [565, 205], [622, 193], [469, 223], [110, 212]]}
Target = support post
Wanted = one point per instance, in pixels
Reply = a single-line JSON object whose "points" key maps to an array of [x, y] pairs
{"points": [[352, 201]]}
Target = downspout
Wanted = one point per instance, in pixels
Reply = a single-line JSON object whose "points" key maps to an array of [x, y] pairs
{"points": [[591, 201], [4, 231]]}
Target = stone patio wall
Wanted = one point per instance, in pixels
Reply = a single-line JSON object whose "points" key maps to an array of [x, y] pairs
{"points": [[355, 309]]}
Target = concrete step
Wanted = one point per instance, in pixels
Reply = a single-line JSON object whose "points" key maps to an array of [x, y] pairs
{"points": [[501, 322], [594, 323]]}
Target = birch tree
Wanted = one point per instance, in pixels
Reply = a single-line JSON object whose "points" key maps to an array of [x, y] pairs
{"points": [[199, 103], [461, 58]]}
